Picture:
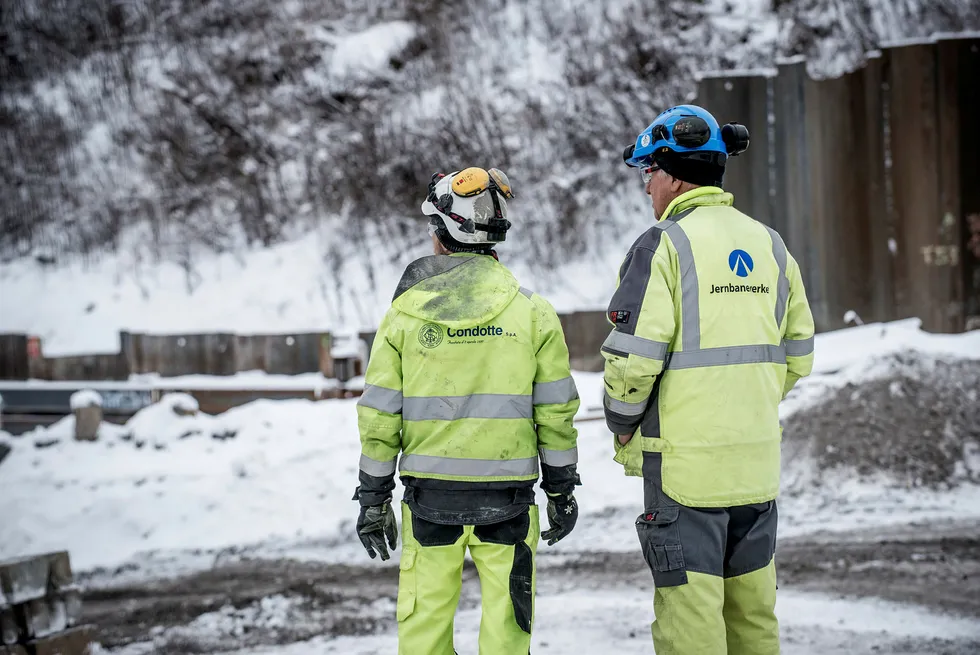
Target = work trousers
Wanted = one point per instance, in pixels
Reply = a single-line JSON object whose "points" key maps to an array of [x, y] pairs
{"points": [[431, 576], [714, 573]]}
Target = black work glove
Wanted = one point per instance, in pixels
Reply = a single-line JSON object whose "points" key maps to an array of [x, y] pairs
{"points": [[562, 515], [374, 525]]}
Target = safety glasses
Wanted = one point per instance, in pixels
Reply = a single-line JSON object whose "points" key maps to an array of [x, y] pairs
{"points": [[646, 174]]}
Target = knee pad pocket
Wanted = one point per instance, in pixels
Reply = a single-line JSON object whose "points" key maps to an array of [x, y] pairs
{"points": [[407, 583], [661, 543], [521, 585]]}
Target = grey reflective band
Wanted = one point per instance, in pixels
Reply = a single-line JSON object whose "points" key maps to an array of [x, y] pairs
{"points": [[634, 345], [624, 408], [474, 468], [760, 354], [553, 393], [782, 284], [798, 347], [451, 408], [381, 399], [527, 292], [558, 457], [377, 469], [690, 302]]}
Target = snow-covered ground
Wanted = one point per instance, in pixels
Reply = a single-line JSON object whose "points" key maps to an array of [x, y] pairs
{"points": [[613, 621]]}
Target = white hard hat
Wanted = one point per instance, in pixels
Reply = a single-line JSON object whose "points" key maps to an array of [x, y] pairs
{"points": [[469, 206]]}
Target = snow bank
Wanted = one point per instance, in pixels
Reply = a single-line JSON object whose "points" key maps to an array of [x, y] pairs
{"points": [[858, 354], [286, 473]]}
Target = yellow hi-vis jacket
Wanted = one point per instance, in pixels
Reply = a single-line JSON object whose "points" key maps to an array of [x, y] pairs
{"points": [[469, 379], [711, 330]]}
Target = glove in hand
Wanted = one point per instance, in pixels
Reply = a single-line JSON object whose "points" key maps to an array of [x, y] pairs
{"points": [[562, 515], [376, 524]]}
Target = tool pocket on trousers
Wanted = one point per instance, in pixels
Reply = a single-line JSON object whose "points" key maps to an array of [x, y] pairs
{"points": [[407, 583], [521, 590], [661, 544]]}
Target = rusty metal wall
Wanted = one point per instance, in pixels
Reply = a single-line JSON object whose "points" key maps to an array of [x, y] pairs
{"points": [[86, 367], [873, 180], [925, 126], [13, 357], [792, 198], [967, 82], [584, 334], [745, 100], [845, 156], [222, 354], [292, 354]]}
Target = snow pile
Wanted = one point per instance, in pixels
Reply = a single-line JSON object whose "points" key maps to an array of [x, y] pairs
{"points": [[172, 419], [873, 351], [286, 473], [920, 425], [85, 398]]}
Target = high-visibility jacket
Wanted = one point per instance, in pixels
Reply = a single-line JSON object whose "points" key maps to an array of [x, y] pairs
{"points": [[469, 379], [711, 330]]}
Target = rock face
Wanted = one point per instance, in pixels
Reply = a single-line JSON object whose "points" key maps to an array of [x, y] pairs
{"points": [[920, 427], [277, 114]]}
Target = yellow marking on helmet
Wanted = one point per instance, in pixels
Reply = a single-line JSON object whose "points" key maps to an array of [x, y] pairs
{"points": [[470, 182]]}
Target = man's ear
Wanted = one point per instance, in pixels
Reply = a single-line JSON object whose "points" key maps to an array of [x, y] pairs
{"points": [[675, 184]]}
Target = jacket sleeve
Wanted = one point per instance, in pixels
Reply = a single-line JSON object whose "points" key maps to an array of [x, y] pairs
{"points": [[379, 415], [556, 401], [798, 336], [642, 313]]}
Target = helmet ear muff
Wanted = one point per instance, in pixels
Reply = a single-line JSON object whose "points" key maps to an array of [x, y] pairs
{"points": [[736, 138], [691, 132]]}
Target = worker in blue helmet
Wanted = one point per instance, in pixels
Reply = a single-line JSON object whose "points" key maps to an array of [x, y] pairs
{"points": [[711, 329]]}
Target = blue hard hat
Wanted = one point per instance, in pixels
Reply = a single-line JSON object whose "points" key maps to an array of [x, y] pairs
{"points": [[688, 131]]}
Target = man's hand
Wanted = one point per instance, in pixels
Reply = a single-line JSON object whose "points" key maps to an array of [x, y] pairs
{"points": [[374, 525], [624, 438], [562, 515]]}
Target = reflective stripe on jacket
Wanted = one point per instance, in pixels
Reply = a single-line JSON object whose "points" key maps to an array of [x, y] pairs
{"points": [[711, 330]]}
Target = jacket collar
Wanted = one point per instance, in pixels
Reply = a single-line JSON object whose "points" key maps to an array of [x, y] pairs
{"points": [[704, 196]]}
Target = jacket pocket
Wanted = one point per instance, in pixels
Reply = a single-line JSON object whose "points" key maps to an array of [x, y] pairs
{"points": [[407, 583], [521, 588], [661, 544], [630, 455]]}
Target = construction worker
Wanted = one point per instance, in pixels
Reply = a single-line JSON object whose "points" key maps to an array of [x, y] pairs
{"points": [[469, 379], [711, 329]]}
